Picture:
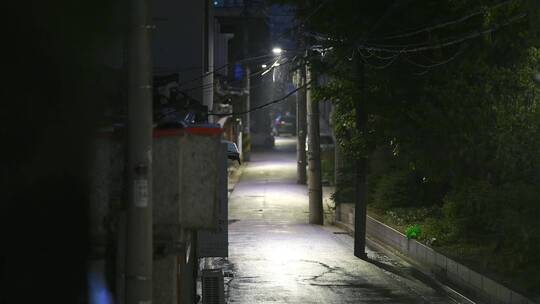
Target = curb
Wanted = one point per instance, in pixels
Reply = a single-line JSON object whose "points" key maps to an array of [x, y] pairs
{"points": [[390, 251], [439, 266]]}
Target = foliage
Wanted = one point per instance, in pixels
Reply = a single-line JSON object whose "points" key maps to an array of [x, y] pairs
{"points": [[345, 191], [395, 189], [413, 232], [327, 167], [460, 121], [467, 208]]}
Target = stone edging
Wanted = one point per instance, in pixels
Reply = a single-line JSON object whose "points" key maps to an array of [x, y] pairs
{"points": [[480, 286]]}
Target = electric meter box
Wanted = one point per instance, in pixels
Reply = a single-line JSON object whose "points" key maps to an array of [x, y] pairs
{"points": [[185, 180]]}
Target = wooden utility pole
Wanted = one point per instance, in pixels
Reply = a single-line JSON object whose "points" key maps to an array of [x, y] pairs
{"points": [[361, 168], [139, 160], [246, 138], [301, 125], [316, 215], [338, 178]]}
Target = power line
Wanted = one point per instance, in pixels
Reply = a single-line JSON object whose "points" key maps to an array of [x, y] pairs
{"points": [[211, 85], [469, 36], [271, 102], [376, 47], [380, 67], [264, 105], [444, 24], [457, 54], [314, 12], [304, 21], [248, 59], [380, 57], [403, 51]]}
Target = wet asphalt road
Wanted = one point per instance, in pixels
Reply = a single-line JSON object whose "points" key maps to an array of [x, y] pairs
{"points": [[276, 257]]}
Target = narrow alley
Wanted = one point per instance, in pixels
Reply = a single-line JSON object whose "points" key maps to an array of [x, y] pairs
{"points": [[276, 257]]}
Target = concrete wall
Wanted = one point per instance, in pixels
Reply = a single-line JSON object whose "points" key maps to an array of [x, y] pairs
{"points": [[165, 280], [216, 243], [221, 50], [185, 179], [183, 43], [482, 287]]}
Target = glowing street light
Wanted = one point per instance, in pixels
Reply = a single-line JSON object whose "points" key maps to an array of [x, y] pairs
{"points": [[277, 51]]}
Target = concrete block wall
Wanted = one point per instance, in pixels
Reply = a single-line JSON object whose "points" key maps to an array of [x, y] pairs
{"points": [[184, 183], [180, 201], [482, 287]]}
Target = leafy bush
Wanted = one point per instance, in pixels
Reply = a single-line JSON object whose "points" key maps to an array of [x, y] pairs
{"points": [[345, 190], [436, 231], [469, 209], [507, 215], [519, 224], [327, 167], [413, 232], [396, 189], [407, 216]]}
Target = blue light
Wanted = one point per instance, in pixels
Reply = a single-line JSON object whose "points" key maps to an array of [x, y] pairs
{"points": [[238, 71], [98, 291]]}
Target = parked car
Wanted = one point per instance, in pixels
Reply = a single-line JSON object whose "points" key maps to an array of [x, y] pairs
{"points": [[326, 142], [284, 125]]}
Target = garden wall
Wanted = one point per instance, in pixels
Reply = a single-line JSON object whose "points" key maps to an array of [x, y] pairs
{"points": [[474, 283]]}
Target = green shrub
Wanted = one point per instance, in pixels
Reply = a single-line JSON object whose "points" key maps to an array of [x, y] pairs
{"points": [[345, 190], [470, 209], [396, 189], [327, 167], [436, 231], [410, 215], [413, 232], [519, 220]]}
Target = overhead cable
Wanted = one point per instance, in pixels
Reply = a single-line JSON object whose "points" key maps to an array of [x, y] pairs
{"points": [[471, 35], [444, 24], [266, 104]]}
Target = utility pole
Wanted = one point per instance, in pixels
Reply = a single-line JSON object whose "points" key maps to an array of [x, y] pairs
{"points": [[139, 166], [314, 157], [301, 125], [338, 168], [247, 85], [361, 168]]}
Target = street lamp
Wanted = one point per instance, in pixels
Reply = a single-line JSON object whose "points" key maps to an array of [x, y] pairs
{"points": [[277, 50]]}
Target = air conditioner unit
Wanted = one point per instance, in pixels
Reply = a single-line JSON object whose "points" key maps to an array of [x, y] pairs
{"points": [[213, 289]]}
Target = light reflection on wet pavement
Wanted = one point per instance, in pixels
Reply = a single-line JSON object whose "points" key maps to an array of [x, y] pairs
{"points": [[276, 257]]}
